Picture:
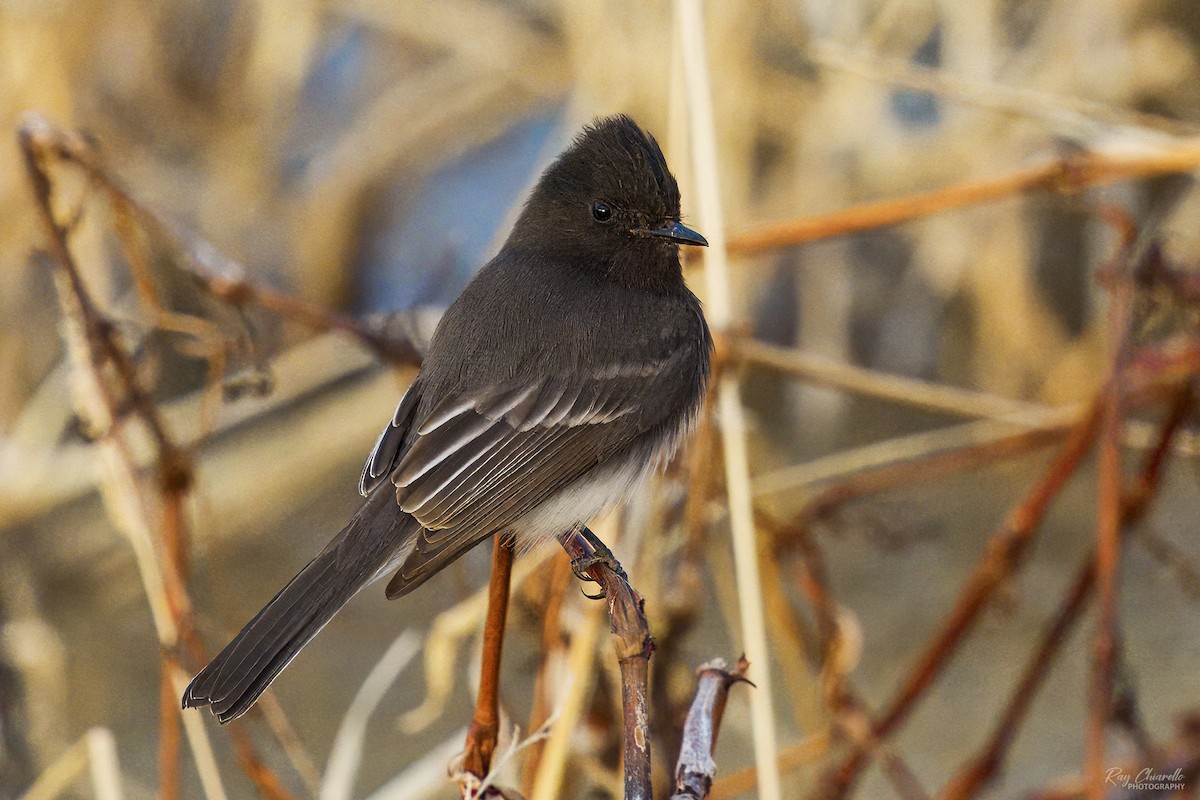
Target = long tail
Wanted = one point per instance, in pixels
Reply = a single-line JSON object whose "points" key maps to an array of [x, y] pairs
{"points": [[378, 535]]}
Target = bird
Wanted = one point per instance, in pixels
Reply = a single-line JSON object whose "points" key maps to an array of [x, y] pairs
{"points": [[567, 371]]}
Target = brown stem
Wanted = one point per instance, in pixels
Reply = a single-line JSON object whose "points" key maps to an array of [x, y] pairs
{"points": [[485, 724], [124, 394], [1109, 516], [634, 645], [1004, 554], [1065, 175], [981, 769], [169, 739], [696, 767], [215, 272]]}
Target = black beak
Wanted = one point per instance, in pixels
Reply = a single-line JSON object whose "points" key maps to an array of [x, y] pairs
{"points": [[679, 234]]}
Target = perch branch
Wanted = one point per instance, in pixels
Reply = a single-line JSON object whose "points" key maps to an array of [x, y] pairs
{"points": [[696, 768], [634, 645]]}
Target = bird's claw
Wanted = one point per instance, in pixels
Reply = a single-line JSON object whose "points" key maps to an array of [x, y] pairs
{"points": [[600, 555]]}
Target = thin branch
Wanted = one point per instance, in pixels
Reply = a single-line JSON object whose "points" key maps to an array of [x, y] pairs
{"points": [[1004, 554], [634, 645], [108, 390], [1071, 174], [696, 768], [218, 274], [980, 770], [485, 723], [1108, 533]]}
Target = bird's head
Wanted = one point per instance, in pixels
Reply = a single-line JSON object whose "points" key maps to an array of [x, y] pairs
{"points": [[609, 204]]}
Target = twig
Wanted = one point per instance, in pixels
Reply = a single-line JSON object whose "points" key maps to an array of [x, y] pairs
{"points": [[696, 767], [632, 641], [105, 368], [1108, 538], [702, 137], [1004, 554], [905, 460], [981, 769], [1063, 175], [485, 724], [214, 271], [972, 778]]}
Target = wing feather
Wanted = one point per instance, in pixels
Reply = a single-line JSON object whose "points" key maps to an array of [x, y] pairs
{"points": [[483, 457]]}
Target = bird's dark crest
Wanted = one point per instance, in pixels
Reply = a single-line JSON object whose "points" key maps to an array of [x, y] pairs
{"points": [[619, 138], [615, 149]]}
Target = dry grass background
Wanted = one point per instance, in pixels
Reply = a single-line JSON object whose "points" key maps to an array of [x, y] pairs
{"points": [[291, 134]]}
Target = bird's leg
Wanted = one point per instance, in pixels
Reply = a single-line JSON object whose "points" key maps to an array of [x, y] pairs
{"points": [[586, 550]]}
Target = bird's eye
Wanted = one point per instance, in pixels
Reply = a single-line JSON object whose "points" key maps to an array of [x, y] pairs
{"points": [[601, 212]]}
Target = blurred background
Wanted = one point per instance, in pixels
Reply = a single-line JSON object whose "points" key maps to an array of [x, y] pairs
{"points": [[369, 156]]}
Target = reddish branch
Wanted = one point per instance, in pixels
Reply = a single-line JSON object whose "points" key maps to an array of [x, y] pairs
{"points": [[1065, 175], [1004, 554], [1108, 544], [125, 395], [634, 645], [696, 767], [485, 724], [980, 770], [215, 272]]}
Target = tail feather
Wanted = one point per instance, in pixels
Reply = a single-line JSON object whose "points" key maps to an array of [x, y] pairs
{"points": [[231, 683]]}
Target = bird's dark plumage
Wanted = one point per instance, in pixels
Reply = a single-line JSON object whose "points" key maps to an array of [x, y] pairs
{"points": [[566, 370]]}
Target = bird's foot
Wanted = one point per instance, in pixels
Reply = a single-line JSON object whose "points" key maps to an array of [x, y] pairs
{"points": [[600, 555]]}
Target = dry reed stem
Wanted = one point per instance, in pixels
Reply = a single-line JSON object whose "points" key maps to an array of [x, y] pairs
{"points": [[553, 593], [873, 383], [346, 753], [696, 767], [96, 752], [485, 723], [1063, 175], [905, 460], [702, 137], [581, 664], [1068, 114]]}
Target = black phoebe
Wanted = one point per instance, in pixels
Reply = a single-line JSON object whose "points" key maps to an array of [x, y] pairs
{"points": [[565, 372]]}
